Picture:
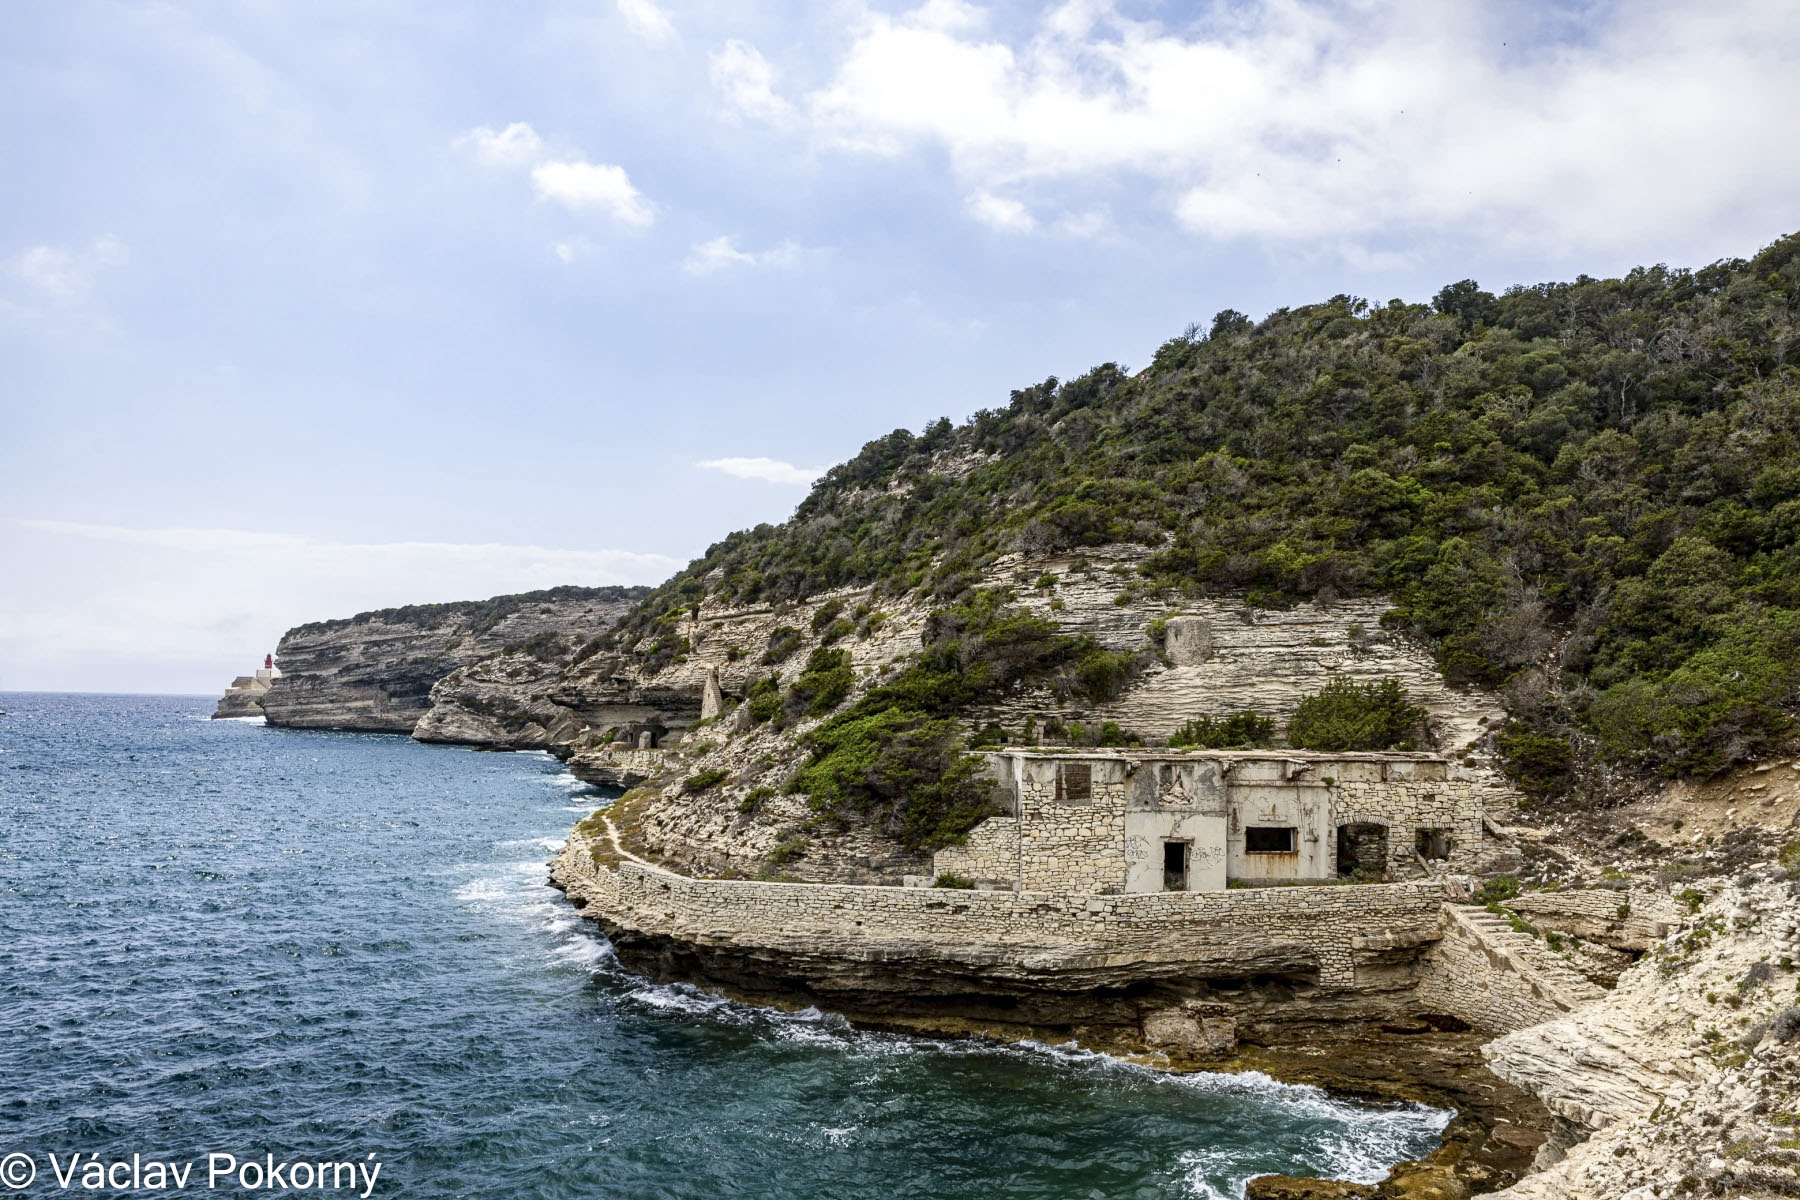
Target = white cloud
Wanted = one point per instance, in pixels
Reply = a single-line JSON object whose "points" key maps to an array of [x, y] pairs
{"points": [[60, 276], [746, 80], [1345, 125], [646, 20], [704, 258], [998, 212], [96, 605], [1089, 224], [571, 182], [769, 470], [517, 145], [603, 186]]}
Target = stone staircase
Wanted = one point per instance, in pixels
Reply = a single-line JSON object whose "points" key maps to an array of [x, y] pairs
{"points": [[1554, 979]]}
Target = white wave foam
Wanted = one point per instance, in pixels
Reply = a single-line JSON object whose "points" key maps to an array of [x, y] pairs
{"points": [[541, 843], [485, 891], [582, 951], [240, 720]]}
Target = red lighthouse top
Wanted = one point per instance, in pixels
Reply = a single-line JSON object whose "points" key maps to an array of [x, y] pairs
{"points": [[268, 662]]}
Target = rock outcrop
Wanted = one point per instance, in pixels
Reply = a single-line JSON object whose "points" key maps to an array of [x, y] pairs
{"points": [[377, 671], [1687, 1077], [243, 698]]}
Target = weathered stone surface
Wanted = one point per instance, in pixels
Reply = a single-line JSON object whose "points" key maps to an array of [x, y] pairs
{"points": [[377, 672], [1676, 1072], [1188, 641], [1195, 1031], [243, 698]]}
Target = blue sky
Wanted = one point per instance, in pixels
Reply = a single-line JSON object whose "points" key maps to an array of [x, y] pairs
{"points": [[313, 308]]}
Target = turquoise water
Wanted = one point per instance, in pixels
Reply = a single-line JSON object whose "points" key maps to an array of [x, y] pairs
{"points": [[217, 937]]}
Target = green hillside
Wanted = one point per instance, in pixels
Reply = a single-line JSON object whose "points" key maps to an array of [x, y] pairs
{"points": [[1585, 494]]}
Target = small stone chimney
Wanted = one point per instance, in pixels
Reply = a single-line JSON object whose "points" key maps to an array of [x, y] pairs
{"points": [[712, 699]]}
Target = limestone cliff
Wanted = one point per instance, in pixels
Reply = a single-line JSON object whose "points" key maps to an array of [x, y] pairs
{"points": [[377, 671]]}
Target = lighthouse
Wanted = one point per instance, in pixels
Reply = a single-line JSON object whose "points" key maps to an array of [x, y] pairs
{"points": [[268, 673]]}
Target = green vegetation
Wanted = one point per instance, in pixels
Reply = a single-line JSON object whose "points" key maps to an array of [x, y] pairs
{"points": [[1541, 764], [1498, 889], [1344, 715], [1583, 491], [753, 799], [783, 641], [702, 781], [822, 686], [763, 700], [950, 880], [1246, 730], [895, 756]]}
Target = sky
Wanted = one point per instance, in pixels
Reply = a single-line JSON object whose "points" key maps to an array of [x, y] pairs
{"points": [[307, 309]]}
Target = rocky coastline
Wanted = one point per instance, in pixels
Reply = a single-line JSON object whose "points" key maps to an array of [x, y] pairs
{"points": [[1540, 1109]]}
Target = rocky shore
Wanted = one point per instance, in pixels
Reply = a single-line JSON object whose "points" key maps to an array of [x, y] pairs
{"points": [[1653, 1050]]}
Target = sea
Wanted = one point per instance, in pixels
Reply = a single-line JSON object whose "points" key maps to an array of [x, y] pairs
{"points": [[270, 953]]}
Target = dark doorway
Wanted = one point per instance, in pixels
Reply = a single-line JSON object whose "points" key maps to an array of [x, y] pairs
{"points": [[1175, 865], [1432, 843], [1362, 848]]}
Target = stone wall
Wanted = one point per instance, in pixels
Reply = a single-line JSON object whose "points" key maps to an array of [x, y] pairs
{"points": [[1321, 931], [1634, 920], [1495, 979], [1071, 844], [990, 855]]}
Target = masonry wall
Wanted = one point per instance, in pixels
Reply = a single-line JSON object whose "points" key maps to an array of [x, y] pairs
{"points": [[1316, 928], [1068, 844], [1493, 981]]}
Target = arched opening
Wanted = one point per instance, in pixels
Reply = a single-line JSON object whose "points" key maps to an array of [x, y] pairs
{"points": [[1362, 848]]}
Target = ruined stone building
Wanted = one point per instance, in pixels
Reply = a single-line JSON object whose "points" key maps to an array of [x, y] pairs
{"points": [[1112, 821]]}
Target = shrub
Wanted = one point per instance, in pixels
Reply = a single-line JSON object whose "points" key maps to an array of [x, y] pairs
{"points": [[1110, 734], [991, 734], [822, 686], [1248, 729], [783, 641], [826, 614], [1102, 674], [1785, 1026], [1541, 764], [1344, 715], [763, 700], [1498, 889], [701, 781], [899, 768], [949, 880]]}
